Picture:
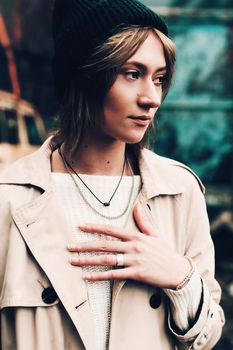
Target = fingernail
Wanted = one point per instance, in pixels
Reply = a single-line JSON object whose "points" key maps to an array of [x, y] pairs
{"points": [[71, 246], [74, 261], [82, 226], [86, 276]]}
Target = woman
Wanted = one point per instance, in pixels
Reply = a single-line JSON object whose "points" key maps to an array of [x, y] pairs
{"points": [[106, 245]]}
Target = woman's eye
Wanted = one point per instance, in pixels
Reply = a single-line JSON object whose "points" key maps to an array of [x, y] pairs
{"points": [[159, 80], [132, 74]]}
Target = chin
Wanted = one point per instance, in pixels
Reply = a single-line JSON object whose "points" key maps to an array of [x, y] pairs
{"points": [[134, 139], [130, 142]]}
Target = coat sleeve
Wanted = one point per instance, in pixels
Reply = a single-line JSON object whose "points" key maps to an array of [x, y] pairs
{"points": [[5, 224], [206, 331]]}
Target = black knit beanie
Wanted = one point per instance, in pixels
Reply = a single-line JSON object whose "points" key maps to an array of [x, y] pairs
{"points": [[79, 26]]}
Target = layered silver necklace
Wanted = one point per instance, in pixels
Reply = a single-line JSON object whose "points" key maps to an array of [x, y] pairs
{"points": [[73, 174]]}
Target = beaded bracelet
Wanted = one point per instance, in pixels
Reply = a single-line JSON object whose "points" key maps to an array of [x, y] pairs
{"points": [[188, 277]]}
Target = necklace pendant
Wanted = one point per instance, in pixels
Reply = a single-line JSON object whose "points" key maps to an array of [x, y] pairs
{"points": [[106, 204]]}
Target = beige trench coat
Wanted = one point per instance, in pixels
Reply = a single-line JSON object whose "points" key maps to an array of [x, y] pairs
{"points": [[43, 301]]}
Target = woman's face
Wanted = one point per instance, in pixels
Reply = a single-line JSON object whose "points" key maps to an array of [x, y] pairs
{"points": [[135, 96]]}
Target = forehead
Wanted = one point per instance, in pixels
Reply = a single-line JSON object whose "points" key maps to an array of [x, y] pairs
{"points": [[150, 53]]}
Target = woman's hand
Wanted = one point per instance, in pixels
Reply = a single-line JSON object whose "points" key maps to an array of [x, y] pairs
{"points": [[147, 257]]}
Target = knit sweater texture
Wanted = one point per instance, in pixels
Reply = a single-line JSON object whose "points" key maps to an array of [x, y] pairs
{"points": [[77, 211]]}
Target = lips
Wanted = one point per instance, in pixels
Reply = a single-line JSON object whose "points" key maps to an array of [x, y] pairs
{"points": [[141, 121], [141, 117]]}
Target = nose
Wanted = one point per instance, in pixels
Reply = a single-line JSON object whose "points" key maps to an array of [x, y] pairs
{"points": [[150, 97]]}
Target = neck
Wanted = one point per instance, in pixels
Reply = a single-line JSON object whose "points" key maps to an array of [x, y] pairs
{"points": [[88, 160], [97, 158]]}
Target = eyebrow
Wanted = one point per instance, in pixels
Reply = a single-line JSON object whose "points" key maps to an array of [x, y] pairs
{"points": [[142, 67]]}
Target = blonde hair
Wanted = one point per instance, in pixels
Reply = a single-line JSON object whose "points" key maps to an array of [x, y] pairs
{"points": [[82, 104]]}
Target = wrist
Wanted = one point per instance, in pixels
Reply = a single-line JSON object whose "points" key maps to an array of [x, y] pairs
{"points": [[180, 269], [183, 282]]}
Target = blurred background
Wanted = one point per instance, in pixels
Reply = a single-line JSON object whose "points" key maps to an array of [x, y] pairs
{"points": [[194, 125]]}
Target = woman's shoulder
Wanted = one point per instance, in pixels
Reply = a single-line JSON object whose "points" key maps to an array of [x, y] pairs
{"points": [[172, 171], [14, 176], [32, 169]]}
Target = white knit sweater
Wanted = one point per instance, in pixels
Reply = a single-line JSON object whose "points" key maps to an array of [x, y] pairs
{"points": [[77, 212], [184, 302]]}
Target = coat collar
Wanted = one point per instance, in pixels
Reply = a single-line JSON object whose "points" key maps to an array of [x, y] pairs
{"points": [[157, 176], [157, 173]]}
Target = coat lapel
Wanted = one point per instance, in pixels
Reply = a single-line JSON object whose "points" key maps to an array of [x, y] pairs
{"points": [[44, 229]]}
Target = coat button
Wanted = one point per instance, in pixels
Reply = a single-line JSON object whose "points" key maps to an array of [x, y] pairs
{"points": [[155, 300], [49, 295]]}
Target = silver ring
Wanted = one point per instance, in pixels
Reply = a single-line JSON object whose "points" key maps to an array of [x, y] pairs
{"points": [[119, 259]]}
